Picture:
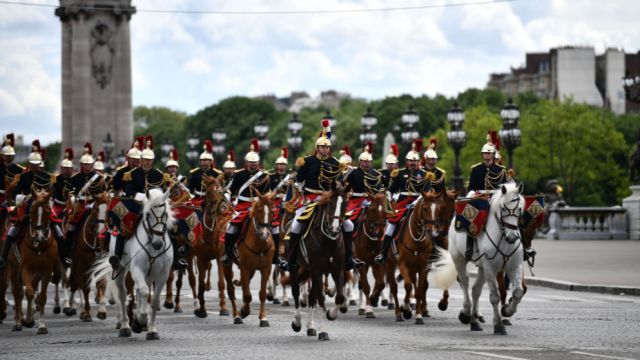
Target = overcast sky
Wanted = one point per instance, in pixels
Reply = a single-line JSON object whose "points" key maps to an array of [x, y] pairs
{"points": [[189, 61]]}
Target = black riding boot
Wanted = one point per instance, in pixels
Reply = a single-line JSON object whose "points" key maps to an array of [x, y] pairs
{"points": [[468, 255], [8, 241], [277, 259], [349, 262], [380, 258], [67, 248], [179, 253], [294, 245], [119, 249], [228, 248]]}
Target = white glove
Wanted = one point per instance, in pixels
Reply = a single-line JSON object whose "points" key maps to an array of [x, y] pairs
{"points": [[19, 199], [139, 197]]}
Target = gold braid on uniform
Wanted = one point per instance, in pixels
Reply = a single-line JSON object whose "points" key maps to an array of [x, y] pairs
{"points": [[415, 185], [258, 183], [42, 183], [328, 176], [96, 187], [372, 183], [151, 185], [493, 178]]}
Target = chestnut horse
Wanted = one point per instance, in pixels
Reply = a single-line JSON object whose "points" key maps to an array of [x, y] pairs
{"points": [[34, 263], [88, 247], [414, 249], [255, 252], [214, 222], [366, 246]]}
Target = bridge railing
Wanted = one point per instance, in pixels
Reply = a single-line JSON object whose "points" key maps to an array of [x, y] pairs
{"points": [[588, 223]]}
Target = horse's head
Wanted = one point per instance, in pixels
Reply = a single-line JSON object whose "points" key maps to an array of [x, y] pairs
{"points": [[100, 205], [427, 213], [262, 215], [335, 203], [376, 215], [446, 209], [510, 204], [39, 215], [213, 193], [157, 217]]}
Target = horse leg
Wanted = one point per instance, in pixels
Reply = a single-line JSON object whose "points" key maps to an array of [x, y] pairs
{"points": [[231, 292], [408, 291], [362, 302], [192, 281], [245, 280], [494, 298], [421, 299], [393, 289], [17, 291], [444, 301], [285, 298], [42, 301], [518, 292], [120, 295], [366, 288], [141, 292], [86, 313], [476, 291], [221, 280], [30, 282], [102, 303], [178, 309], [265, 275], [152, 331], [378, 287], [201, 311], [316, 290], [168, 302], [270, 286], [208, 275], [296, 324]]}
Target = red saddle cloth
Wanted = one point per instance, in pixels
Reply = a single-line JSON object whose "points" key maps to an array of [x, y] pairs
{"points": [[400, 209], [354, 208], [533, 211], [471, 215], [277, 212]]}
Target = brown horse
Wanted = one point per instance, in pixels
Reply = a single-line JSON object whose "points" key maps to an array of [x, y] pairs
{"points": [[88, 247], [4, 223], [366, 247], [414, 249], [33, 263], [255, 252], [214, 222]]}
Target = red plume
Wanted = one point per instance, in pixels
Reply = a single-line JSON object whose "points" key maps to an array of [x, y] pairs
{"points": [[325, 123], [394, 150], [346, 151], [255, 146], [101, 156], [208, 146], [173, 154], [232, 155], [369, 147], [35, 145], [43, 153], [497, 144], [284, 152], [148, 142], [88, 149], [139, 142], [418, 143], [68, 153], [433, 144]]}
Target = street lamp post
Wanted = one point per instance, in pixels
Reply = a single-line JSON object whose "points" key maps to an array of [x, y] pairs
{"points": [[457, 138], [294, 140], [510, 134], [261, 129], [108, 145], [192, 152], [409, 132], [368, 121], [219, 136], [631, 86]]}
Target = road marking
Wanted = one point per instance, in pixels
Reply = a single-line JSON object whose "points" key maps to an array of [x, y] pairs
{"points": [[495, 355], [600, 356]]}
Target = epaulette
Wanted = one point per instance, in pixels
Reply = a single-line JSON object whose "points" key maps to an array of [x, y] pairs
{"points": [[193, 170], [20, 166], [120, 168], [237, 170], [441, 170], [300, 162], [472, 166], [166, 177], [502, 166], [395, 172], [429, 176], [127, 176], [53, 179], [217, 171]]}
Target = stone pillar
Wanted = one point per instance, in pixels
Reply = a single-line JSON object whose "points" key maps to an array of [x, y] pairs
{"points": [[632, 204], [96, 73]]}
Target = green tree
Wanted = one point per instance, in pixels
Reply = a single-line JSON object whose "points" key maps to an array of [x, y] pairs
{"points": [[164, 125]]}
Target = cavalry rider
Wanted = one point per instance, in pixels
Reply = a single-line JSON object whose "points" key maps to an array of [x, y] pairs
{"points": [[133, 161], [181, 195], [431, 159], [485, 176], [229, 168], [62, 186], [246, 182], [8, 170], [137, 182], [84, 185], [279, 180], [407, 185], [171, 168], [197, 187], [98, 167], [345, 158], [391, 164], [362, 181], [33, 179], [316, 174]]}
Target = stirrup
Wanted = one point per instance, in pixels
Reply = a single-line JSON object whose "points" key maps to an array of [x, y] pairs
{"points": [[379, 259], [3, 263], [66, 262], [283, 265], [180, 264], [357, 263], [226, 260], [468, 255]]}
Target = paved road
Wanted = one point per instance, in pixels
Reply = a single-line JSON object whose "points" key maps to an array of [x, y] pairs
{"points": [[550, 324]]}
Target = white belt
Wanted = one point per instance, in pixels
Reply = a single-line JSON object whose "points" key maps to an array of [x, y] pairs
{"points": [[1, 191], [358, 194], [409, 193], [82, 197], [59, 202], [199, 193], [280, 196], [244, 198], [313, 191]]}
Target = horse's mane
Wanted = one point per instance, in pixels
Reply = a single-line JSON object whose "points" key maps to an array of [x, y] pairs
{"points": [[156, 197], [511, 187]]}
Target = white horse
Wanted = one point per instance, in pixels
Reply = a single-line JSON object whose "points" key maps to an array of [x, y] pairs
{"points": [[498, 247], [148, 256]]}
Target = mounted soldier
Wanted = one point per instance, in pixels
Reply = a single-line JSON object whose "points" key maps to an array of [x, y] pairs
{"points": [[345, 158], [405, 188], [279, 181], [8, 172], [33, 179], [229, 169], [196, 184], [179, 187], [431, 159], [133, 161], [99, 167], [61, 188], [486, 176], [362, 181], [391, 164], [247, 184]]}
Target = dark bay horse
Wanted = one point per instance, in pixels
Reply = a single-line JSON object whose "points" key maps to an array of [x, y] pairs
{"points": [[321, 252]]}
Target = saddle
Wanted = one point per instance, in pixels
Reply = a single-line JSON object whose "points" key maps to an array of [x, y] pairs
{"points": [[188, 223], [533, 211], [125, 214], [471, 215]]}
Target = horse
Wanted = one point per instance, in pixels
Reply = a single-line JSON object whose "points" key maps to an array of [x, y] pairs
{"points": [[34, 262], [255, 252], [89, 246], [414, 253], [366, 246], [147, 257], [321, 252], [215, 217], [499, 247]]}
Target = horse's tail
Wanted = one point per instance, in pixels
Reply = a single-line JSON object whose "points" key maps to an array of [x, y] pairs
{"points": [[100, 269], [443, 270]]}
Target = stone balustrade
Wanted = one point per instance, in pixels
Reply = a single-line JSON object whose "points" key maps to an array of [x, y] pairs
{"points": [[588, 223]]}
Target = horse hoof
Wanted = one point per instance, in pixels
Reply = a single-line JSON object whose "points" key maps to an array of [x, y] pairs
{"points": [[3, 314], [331, 292], [384, 302], [303, 304], [102, 315], [343, 309], [311, 332], [464, 318], [96, 300], [264, 323], [399, 318], [56, 310], [286, 303], [237, 321], [506, 322], [270, 297], [118, 325], [124, 333], [406, 314], [136, 327], [87, 318], [178, 309], [16, 328], [323, 336], [153, 336], [352, 303], [480, 318], [426, 314], [200, 313], [28, 324], [419, 321], [168, 305], [42, 331], [329, 317], [224, 312], [70, 311], [476, 327], [370, 315], [295, 327], [276, 301], [499, 330], [443, 306], [237, 283], [112, 301], [412, 306], [505, 312], [390, 306], [361, 312], [374, 301], [244, 313]]}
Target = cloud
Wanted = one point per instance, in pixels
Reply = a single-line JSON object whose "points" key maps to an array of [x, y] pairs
{"points": [[197, 66]]}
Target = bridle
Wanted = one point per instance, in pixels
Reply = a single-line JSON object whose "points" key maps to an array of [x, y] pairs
{"points": [[373, 225], [421, 223], [327, 219]]}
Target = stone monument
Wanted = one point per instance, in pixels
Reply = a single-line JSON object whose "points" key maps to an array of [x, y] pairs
{"points": [[632, 203], [96, 73]]}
